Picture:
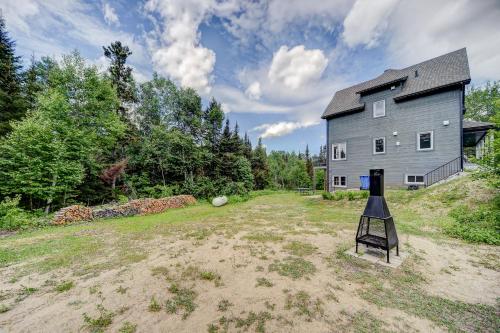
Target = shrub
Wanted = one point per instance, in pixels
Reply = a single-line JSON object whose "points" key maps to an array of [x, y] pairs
{"points": [[350, 195], [12, 217], [481, 225], [327, 196]]}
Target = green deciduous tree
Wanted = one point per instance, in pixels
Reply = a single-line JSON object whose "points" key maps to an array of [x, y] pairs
{"points": [[64, 138], [481, 102]]}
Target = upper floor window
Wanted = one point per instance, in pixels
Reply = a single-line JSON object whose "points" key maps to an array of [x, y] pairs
{"points": [[339, 151], [379, 145], [379, 109], [425, 140]]}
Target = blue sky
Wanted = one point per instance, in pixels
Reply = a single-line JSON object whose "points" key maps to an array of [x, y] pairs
{"points": [[274, 64]]}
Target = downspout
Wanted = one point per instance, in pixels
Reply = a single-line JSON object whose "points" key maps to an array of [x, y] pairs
{"points": [[327, 173], [462, 111]]}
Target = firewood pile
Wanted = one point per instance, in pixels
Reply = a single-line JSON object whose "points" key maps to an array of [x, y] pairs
{"points": [[72, 214], [134, 207], [153, 206], [115, 211]]}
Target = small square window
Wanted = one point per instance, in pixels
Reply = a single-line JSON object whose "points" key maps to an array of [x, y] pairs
{"points": [[379, 109], [414, 179], [379, 145], [339, 151], [339, 181], [425, 140]]}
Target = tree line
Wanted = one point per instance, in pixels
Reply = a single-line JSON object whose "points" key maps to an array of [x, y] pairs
{"points": [[71, 134]]}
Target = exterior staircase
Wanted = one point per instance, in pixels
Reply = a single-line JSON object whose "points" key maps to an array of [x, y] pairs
{"points": [[444, 171]]}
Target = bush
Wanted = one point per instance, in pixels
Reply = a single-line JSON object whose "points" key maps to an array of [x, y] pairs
{"points": [[12, 217], [477, 226], [350, 195]]}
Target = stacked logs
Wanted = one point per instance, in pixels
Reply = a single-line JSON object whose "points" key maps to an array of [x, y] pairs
{"points": [[134, 207], [154, 206], [72, 214]]}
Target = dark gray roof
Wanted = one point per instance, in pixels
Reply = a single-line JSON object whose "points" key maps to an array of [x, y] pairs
{"points": [[472, 125], [439, 72]]}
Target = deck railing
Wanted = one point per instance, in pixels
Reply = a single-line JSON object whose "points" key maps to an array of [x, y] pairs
{"points": [[443, 172]]}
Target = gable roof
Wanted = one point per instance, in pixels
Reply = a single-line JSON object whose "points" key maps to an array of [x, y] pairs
{"points": [[440, 72]]}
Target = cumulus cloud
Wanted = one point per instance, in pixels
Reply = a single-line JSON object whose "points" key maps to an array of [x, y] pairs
{"points": [[110, 15], [280, 128], [297, 66], [253, 91], [177, 52], [367, 21]]}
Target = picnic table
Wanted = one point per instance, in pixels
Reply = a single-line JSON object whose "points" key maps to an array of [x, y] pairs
{"points": [[305, 191]]}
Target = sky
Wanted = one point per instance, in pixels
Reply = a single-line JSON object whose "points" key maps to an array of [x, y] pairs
{"points": [[273, 64]]}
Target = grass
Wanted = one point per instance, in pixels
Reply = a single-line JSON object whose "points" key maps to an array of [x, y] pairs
{"points": [[224, 305], [154, 306], [64, 286], [128, 327], [263, 282], [293, 267], [183, 301], [100, 323], [304, 305], [300, 248]]}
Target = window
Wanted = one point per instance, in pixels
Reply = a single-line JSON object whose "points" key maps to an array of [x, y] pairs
{"points": [[339, 151], [379, 145], [339, 181], [425, 140], [379, 109], [414, 179]]}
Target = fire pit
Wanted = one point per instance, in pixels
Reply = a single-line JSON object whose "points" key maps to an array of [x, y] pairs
{"points": [[376, 227]]}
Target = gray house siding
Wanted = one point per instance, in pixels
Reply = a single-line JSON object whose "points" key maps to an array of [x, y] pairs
{"points": [[407, 119]]}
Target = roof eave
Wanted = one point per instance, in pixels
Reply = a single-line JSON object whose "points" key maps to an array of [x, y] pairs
{"points": [[431, 90], [343, 113], [385, 84]]}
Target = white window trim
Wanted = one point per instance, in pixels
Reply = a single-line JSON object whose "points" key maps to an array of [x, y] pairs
{"points": [[432, 141], [373, 106], [345, 151], [339, 176], [373, 150], [414, 183]]}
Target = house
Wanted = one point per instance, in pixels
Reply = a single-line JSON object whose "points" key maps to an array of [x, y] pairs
{"points": [[407, 121]]}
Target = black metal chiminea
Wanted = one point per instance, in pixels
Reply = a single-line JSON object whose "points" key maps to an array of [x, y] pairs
{"points": [[376, 227]]}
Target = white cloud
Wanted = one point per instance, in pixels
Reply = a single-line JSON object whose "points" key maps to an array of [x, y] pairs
{"points": [[367, 21], [281, 128], [110, 15], [253, 91], [296, 67], [177, 52], [38, 25], [424, 29]]}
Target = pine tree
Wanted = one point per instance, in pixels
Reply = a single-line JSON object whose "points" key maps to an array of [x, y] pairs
{"points": [[236, 142], [260, 167], [12, 105], [309, 165], [247, 147], [121, 75]]}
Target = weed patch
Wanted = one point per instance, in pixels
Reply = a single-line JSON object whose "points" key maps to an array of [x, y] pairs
{"points": [[263, 282], [99, 323], [264, 237], [303, 305], [154, 306], [224, 305], [293, 267], [300, 248], [128, 327], [183, 300], [64, 286]]}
